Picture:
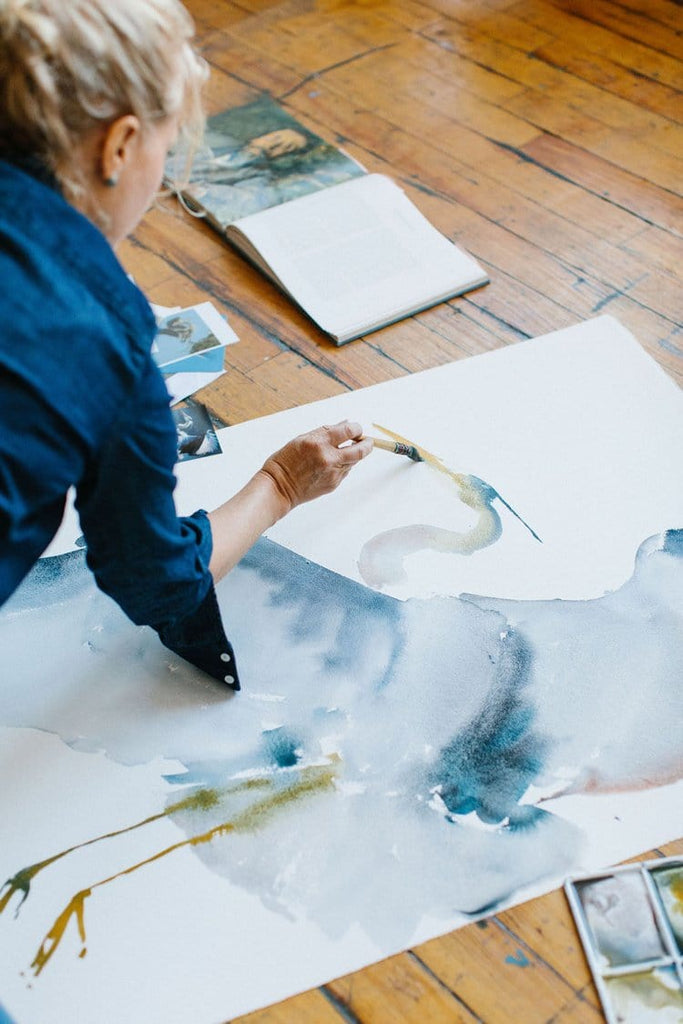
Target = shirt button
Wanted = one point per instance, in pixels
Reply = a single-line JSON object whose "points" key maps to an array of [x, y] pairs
{"points": [[229, 679], [225, 657]]}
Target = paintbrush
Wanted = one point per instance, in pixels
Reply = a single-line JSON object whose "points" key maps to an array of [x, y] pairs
{"points": [[397, 447]]}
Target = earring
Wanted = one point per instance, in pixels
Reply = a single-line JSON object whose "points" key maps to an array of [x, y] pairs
{"points": [[112, 181]]}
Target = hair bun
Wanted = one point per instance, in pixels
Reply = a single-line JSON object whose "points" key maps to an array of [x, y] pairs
{"points": [[69, 66]]}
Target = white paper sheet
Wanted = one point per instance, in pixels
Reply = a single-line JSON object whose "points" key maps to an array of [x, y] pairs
{"points": [[391, 767]]}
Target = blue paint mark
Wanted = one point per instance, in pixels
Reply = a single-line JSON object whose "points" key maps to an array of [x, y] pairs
{"points": [[487, 495], [282, 747], [673, 543], [519, 959], [488, 766]]}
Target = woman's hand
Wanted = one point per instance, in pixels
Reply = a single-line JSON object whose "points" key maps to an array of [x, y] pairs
{"points": [[315, 463], [311, 465]]}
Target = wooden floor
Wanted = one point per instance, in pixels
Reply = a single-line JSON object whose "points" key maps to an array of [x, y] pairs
{"points": [[545, 138]]}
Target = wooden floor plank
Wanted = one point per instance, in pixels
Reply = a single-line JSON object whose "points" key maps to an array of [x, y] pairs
{"points": [[307, 1008], [545, 925], [217, 13], [660, 249], [560, 21], [406, 993], [543, 78], [440, 75], [632, 153], [648, 94], [502, 980], [651, 203], [409, 14], [322, 44], [499, 23], [632, 24], [662, 12]]}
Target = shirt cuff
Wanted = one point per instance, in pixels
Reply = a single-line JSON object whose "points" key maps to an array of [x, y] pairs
{"points": [[200, 639]]}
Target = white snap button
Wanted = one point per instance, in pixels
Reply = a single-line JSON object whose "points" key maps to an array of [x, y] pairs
{"points": [[229, 679], [225, 657]]}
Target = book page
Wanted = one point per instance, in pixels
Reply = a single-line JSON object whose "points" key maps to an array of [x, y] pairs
{"points": [[358, 255]]}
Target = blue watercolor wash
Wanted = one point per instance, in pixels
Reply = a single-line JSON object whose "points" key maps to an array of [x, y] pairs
{"points": [[516, 657], [52, 580], [315, 595], [490, 763]]}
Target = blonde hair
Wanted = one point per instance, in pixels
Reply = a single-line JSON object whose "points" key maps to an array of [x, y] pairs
{"points": [[69, 65]]}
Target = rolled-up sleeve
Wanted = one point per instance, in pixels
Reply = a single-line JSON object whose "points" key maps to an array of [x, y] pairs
{"points": [[152, 562]]}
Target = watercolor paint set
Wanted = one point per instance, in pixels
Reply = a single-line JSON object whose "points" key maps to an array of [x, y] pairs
{"points": [[630, 920]]}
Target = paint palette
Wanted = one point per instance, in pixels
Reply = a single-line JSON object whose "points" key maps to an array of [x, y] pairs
{"points": [[630, 920]]}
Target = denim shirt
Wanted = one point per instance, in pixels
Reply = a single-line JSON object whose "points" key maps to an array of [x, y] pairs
{"points": [[83, 404]]}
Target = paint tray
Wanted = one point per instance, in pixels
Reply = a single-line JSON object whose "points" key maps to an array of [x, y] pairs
{"points": [[630, 920]]}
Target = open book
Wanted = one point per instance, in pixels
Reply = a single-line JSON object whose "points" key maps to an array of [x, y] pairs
{"points": [[348, 247]]}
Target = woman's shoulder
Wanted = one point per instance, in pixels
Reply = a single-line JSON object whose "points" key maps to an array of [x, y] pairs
{"points": [[61, 276], [78, 331]]}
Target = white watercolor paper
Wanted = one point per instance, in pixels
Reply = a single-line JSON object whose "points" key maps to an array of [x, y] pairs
{"points": [[400, 760], [579, 431]]}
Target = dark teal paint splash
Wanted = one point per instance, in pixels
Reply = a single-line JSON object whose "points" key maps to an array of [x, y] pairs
{"points": [[282, 747], [490, 763], [673, 543]]}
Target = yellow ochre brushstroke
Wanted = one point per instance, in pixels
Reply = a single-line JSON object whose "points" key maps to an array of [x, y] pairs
{"points": [[433, 460], [202, 800], [76, 906], [312, 780], [469, 487], [381, 560]]}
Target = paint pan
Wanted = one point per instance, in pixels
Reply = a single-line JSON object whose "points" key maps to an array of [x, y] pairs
{"points": [[630, 920]]}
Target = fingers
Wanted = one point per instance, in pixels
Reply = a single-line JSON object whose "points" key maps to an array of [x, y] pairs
{"points": [[346, 430], [355, 451], [315, 463], [347, 438]]}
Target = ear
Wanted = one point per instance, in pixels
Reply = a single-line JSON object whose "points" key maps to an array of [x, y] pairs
{"points": [[118, 147]]}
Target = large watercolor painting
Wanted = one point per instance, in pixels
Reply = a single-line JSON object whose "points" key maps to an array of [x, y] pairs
{"points": [[459, 686]]}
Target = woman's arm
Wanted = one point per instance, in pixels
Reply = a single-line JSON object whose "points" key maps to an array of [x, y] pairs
{"points": [[309, 466], [160, 568]]}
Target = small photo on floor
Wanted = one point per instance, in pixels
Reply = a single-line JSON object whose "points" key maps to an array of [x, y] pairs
{"points": [[181, 335], [196, 433]]}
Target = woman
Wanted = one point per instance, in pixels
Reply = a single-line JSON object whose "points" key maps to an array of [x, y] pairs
{"points": [[93, 94]]}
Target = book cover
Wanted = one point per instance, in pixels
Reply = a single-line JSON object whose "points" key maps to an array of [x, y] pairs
{"points": [[254, 157]]}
